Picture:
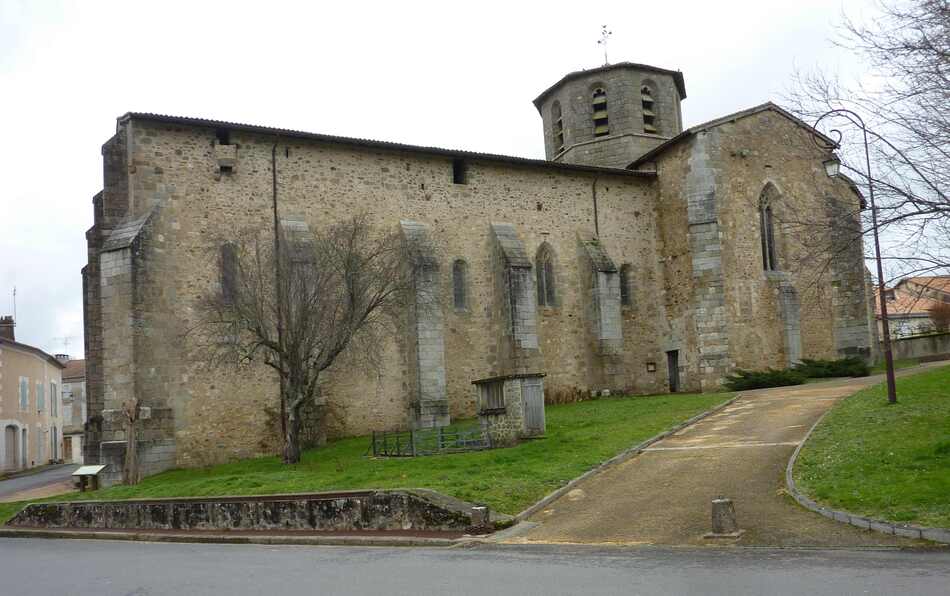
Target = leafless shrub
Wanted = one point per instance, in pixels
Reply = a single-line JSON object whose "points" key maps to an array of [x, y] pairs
{"points": [[905, 103]]}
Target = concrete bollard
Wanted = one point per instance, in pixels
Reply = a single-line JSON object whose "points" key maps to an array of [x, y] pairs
{"points": [[724, 516], [724, 523], [481, 517]]}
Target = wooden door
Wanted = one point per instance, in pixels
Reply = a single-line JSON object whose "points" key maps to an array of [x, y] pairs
{"points": [[673, 365], [532, 391]]}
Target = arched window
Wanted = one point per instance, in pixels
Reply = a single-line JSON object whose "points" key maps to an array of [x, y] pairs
{"points": [[626, 287], [599, 105], [557, 126], [649, 109], [767, 229], [459, 281], [544, 269]]}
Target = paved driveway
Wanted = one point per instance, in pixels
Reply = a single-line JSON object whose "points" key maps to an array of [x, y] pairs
{"points": [[42, 484], [663, 495]]}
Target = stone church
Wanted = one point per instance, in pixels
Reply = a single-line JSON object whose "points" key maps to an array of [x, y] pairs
{"points": [[638, 257]]}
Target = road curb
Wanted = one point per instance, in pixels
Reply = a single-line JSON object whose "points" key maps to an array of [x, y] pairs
{"points": [[617, 459], [271, 539], [941, 535]]}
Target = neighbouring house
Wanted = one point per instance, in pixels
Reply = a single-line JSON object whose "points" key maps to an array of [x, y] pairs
{"points": [[640, 256], [910, 305], [74, 408], [30, 409]]}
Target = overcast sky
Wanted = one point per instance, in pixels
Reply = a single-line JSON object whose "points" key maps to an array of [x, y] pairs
{"points": [[449, 74]]}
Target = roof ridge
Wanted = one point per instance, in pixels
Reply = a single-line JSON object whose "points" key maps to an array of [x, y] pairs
{"points": [[375, 143], [36, 351], [762, 107]]}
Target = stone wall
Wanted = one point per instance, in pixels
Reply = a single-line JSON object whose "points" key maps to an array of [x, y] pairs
{"points": [[725, 310], [430, 405], [689, 239], [615, 150], [924, 346], [217, 414], [26, 433], [627, 139], [768, 153], [508, 424], [329, 512]]}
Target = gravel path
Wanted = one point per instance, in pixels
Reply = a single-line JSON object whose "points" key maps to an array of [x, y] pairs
{"points": [[663, 495]]}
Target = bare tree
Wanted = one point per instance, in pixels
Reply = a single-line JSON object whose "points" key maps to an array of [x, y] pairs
{"points": [[297, 304], [130, 413], [905, 102]]}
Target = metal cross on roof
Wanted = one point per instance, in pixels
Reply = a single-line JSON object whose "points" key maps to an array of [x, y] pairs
{"points": [[604, 36]]}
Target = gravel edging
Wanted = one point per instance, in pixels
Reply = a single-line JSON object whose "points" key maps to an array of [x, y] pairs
{"points": [[619, 458], [941, 535]]}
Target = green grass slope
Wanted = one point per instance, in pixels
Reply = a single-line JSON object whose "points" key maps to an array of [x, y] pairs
{"points": [[579, 437], [885, 461]]}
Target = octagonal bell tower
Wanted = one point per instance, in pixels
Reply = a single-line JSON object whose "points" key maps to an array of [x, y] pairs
{"points": [[611, 115]]}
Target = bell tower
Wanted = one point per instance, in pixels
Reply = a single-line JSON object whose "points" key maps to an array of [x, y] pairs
{"points": [[611, 115]]}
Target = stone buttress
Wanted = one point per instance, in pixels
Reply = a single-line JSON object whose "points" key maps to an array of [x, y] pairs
{"points": [[606, 326], [518, 350], [430, 406], [705, 244]]}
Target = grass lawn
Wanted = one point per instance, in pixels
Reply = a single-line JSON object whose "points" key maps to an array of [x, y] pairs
{"points": [[885, 462], [898, 364], [579, 436]]}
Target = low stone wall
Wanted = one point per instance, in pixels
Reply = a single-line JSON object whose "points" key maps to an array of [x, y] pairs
{"points": [[419, 510], [921, 347]]}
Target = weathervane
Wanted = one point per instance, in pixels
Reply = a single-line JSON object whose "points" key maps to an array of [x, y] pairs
{"points": [[604, 36]]}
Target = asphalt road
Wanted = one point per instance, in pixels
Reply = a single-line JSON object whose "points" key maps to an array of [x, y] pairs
{"points": [[31, 567], [38, 480]]}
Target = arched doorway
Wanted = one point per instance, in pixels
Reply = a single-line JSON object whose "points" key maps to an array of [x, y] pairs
{"points": [[11, 454]]}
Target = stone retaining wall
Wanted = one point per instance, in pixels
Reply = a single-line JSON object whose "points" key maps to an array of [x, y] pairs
{"points": [[921, 347], [349, 511]]}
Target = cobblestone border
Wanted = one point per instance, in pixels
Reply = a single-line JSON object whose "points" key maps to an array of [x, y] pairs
{"points": [[941, 535], [619, 458]]}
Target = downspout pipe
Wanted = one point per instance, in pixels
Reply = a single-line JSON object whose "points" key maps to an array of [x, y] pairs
{"points": [[593, 192], [278, 286]]}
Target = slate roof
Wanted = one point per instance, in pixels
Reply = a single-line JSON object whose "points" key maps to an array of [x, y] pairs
{"points": [[511, 245], [677, 77], [124, 234], [599, 257]]}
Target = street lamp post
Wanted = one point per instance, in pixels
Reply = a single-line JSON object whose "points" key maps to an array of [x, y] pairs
{"points": [[832, 167]]}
